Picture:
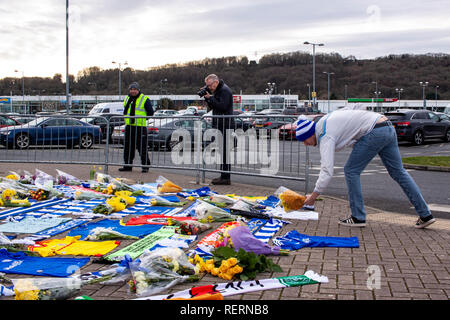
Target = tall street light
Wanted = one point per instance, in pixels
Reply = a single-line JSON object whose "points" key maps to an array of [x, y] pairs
{"points": [[399, 91], [436, 96], [328, 74], [423, 85], [23, 86], [271, 88], [314, 94], [309, 94], [68, 103], [120, 75]]}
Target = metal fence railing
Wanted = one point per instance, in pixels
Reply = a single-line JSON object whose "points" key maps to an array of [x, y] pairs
{"points": [[256, 145]]}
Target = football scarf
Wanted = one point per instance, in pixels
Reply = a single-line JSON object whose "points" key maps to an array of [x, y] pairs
{"points": [[241, 287], [135, 249]]}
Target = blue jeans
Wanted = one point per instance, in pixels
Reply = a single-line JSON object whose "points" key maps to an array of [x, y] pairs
{"points": [[381, 141]]}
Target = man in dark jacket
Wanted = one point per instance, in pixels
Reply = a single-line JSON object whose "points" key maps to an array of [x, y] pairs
{"points": [[220, 101], [136, 105]]}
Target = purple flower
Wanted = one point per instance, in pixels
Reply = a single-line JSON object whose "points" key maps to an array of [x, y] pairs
{"points": [[243, 238]]}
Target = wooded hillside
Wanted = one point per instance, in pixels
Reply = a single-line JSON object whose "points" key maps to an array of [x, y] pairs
{"points": [[290, 71]]}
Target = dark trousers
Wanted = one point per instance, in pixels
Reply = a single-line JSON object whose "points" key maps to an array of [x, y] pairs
{"points": [[136, 138], [224, 167]]}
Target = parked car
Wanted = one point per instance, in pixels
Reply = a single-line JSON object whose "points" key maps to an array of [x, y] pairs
{"points": [[165, 112], [7, 121], [107, 107], [287, 131], [416, 126], [118, 134], [102, 121], [51, 131], [443, 116], [160, 133]]}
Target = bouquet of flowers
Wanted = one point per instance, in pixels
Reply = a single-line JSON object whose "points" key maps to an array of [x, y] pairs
{"points": [[115, 183], [290, 200], [227, 264], [101, 233], [188, 227], [9, 198], [88, 195], [166, 186], [206, 212], [67, 179], [159, 270], [161, 202], [46, 288]]}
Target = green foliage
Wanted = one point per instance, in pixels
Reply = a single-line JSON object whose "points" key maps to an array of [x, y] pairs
{"points": [[249, 261]]}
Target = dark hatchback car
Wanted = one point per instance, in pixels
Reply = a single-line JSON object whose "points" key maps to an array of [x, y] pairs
{"points": [[160, 132], [416, 126], [114, 120]]}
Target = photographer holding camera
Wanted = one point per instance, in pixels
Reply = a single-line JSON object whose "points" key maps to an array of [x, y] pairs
{"points": [[219, 98]]}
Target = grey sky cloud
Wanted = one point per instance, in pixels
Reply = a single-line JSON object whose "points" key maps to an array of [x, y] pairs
{"points": [[154, 32]]}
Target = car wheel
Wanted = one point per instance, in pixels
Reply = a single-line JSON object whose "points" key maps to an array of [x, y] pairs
{"points": [[86, 141], [417, 138], [447, 136], [22, 141]]}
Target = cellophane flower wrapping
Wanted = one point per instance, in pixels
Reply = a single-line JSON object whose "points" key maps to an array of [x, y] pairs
{"points": [[290, 200], [67, 179], [206, 212], [159, 270], [242, 238], [46, 288]]}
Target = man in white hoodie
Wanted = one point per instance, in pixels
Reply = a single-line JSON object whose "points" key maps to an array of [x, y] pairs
{"points": [[369, 134]]}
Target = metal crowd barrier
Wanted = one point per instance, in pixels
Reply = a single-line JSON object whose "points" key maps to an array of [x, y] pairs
{"points": [[257, 145]]}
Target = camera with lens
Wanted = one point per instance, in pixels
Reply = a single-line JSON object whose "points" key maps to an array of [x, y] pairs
{"points": [[203, 91]]}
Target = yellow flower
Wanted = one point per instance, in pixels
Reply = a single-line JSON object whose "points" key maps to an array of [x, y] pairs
{"points": [[191, 198], [232, 261], [237, 269], [215, 271], [12, 177], [25, 290]]}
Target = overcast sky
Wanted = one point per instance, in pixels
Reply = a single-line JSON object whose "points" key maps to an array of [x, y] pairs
{"points": [[148, 33]]}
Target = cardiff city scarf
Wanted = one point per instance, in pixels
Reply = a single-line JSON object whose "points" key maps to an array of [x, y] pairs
{"points": [[155, 219], [267, 230], [33, 207], [57, 230], [201, 192], [293, 240], [31, 224], [135, 249], [241, 287]]}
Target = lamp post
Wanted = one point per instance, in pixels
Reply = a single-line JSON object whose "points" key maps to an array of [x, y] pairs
{"points": [[423, 85], [314, 68], [436, 97], [271, 88], [68, 103], [328, 74], [23, 86], [309, 94], [120, 75], [94, 84], [399, 91]]}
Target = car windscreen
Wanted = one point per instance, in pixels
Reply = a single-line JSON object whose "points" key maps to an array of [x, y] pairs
{"points": [[36, 122]]}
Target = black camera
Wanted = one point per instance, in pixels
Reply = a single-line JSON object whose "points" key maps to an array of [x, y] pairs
{"points": [[203, 91]]}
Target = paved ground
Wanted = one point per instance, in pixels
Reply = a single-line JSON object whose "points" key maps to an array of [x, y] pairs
{"points": [[412, 264]]}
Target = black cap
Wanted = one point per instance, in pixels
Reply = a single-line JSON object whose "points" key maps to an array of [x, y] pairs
{"points": [[134, 85]]}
